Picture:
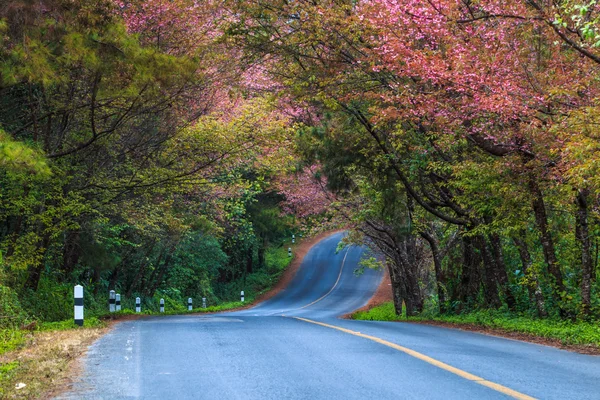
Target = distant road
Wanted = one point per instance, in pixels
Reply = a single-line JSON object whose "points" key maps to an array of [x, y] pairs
{"points": [[293, 346]]}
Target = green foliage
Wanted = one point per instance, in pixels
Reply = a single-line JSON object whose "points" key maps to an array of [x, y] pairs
{"points": [[11, 339], [51, 302], [383, 312], [16, 157], [88, 322], [7, 371], [568, 332], [8, 367], [11, 312], [276, 261]]}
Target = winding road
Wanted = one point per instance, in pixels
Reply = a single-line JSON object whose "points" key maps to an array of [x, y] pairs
{"points": [[294, 346]]}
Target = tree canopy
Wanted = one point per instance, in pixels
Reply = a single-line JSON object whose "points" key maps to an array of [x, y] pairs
{"points": [[166, 145]]}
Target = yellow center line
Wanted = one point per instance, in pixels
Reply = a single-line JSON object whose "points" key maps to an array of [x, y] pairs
{"points": [[333, 287], [463, 374]]}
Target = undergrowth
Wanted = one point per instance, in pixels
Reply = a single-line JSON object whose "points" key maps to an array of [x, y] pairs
{"points": [[568, 332]]}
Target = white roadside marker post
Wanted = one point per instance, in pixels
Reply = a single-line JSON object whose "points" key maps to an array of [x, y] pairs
{"points": [[111, 301], [162, 305], [293, 239], [189, 304], [138, 304], [242, 294], [204, 302], [78, 295], [118, 302], [289, 251]]}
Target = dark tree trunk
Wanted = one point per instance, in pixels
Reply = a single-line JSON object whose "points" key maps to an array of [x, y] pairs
{"points": [[408, 255], [16, 232], [397, 287], [437, 264], [470, 277], [35, 272], [582, 233], [501, 275], [249, 260], [261, 253], [492, 297], [71, 252], [535, 292], [136, 279], [96, 279], [114, 277], [541, 220], [146, 284], [162, 271], [141, 271]]}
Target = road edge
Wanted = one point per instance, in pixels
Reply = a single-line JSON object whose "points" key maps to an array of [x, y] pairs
{"points": [[76, 365]]}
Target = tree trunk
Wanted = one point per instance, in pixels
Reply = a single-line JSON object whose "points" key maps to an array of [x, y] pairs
{"points": [[261, 253], [96, 279], [70, 252], [249, 260], [437, 265], [35, 272], [406, 261], [534, 289], [582, 233], [162, 271], [140, 271], [114, 277], [397, 287], [146, 284], [492, 298], [470, 277], [501, 275], [541, 220]]}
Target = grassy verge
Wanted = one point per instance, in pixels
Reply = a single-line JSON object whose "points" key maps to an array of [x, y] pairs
{"points": [[558, 332], [33, 362]]}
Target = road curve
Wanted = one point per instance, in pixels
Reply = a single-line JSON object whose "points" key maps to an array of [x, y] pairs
{"points": [[326, 284], [294, 347]]}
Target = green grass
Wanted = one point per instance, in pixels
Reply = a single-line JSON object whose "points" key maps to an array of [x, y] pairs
{"points": [[277, 260], [11, 339], [384, 312], [568, 332], [180, 311], [91, 322], [6, 373], [14, 339]]}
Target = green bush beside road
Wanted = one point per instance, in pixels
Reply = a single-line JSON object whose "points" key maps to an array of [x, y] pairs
{"points": [[567, 332]]}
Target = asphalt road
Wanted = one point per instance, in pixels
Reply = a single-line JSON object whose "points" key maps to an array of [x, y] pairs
{"points": [[294, 347]]}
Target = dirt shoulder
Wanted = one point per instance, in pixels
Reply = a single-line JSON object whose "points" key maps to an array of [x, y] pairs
{"points": [[46, 363]]}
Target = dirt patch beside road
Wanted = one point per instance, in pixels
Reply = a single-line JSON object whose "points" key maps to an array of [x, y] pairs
{"points": [[47, 364]]}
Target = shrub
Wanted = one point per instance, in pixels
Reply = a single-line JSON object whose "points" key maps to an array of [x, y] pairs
{"points": [[11, 312]]}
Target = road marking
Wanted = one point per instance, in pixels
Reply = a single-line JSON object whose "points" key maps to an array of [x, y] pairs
{"points": [[333, 287], [463, 374]]}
